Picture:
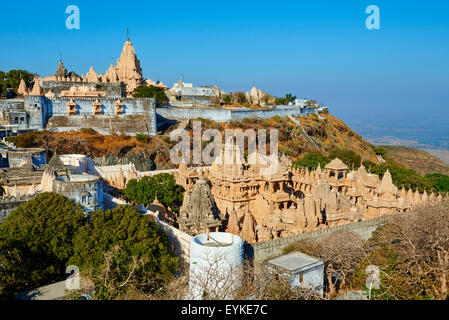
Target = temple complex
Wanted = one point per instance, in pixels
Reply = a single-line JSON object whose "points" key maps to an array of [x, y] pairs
{"points": [[104, 102], [259, 204], [128, 71], [21, 183]]}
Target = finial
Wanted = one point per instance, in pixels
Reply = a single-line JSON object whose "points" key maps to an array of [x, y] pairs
{"points": [[60, 57], [127, 33]]}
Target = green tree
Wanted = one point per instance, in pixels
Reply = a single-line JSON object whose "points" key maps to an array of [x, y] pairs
{"points": [[12, 78], [122, 251], [440, 182], [240, 97], [41, 232], [290, 97], [348, 157], [168, 192], [17, 263], [227, 99], [151, 92], [282, 101], [311, 161], [401, 175]]}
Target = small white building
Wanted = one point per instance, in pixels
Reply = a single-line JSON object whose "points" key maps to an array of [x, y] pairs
{"points": [[303, 270]]}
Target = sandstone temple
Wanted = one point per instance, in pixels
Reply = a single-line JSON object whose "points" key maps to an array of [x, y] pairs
{"points": [[104, 102], [261, 205]]}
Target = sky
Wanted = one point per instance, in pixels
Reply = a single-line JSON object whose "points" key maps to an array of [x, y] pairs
{"points": [[316, 49]]}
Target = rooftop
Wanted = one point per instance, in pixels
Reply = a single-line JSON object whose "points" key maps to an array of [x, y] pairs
{"points": [[79, 178], [294, 261]]}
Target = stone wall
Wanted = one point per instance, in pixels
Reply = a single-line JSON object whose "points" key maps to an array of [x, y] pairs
{"points": [[40, 113], [38, 156], [139, 116], [225, 115], [106, 125], [273, 248], [179, 239], [8, 204], [85, 106], [110, 202], [112, 90], [86, 190]]}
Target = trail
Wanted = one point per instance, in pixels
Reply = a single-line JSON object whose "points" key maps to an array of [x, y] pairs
{"points": [[305, 133]]}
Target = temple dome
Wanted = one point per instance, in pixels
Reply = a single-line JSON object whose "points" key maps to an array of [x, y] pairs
{"points": [[337, 164]]}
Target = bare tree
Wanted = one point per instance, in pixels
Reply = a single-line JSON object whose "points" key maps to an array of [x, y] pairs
{"points": [[414, 252], [341, 251]]}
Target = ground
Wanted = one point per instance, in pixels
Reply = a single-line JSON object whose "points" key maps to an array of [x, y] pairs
{"points": [[418, 160]]}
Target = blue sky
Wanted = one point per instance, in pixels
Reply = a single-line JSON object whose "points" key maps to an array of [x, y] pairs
{"points": [[318, 49]]}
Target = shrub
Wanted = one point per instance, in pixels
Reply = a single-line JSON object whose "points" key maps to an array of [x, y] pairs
{"points": [[40, 234], [122, 251], [348, 157], [151, 92], [380, 151], [311, 161], [440, 182], [142, 138], [168, 192]]}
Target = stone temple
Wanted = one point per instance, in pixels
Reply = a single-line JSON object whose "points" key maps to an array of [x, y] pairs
{"points": [[260, 204], [66, 101], [24, 182]]}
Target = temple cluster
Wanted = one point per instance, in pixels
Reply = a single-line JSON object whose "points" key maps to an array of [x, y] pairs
{"points": [[66, 101], [258, 205]]}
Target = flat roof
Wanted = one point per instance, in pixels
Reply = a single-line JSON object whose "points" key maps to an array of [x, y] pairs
{"points": [[294, 261]]}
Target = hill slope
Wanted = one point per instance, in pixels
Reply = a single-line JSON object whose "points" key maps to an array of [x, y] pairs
{"points": [[416, 159]]}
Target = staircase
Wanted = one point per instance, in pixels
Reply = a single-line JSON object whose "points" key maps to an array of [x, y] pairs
{"points": [[305, 133]]}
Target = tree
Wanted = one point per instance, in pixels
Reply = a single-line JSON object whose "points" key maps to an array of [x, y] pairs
{"points": [[311, 161], [412, 253], [122, 251], [290, 97], [240, 97], [144, 192], [282, 101], [341, 252], [16, 262], [227, 99], [151, 92], [39, 235], [440, 182], [348, 157], [12, 79]]}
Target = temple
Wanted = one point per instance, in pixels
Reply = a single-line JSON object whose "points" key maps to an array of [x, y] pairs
{"points": [[260, 204], [104, 102]]}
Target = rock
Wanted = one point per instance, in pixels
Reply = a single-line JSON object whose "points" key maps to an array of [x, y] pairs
{"points": [[142, 161]]}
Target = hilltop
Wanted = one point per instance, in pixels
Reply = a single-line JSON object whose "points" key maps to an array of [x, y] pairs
{"points": [[147, 153], [305, 140], [328, 132]]}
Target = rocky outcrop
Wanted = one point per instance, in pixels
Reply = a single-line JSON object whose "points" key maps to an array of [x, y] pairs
{"points": [[143, 161]]}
